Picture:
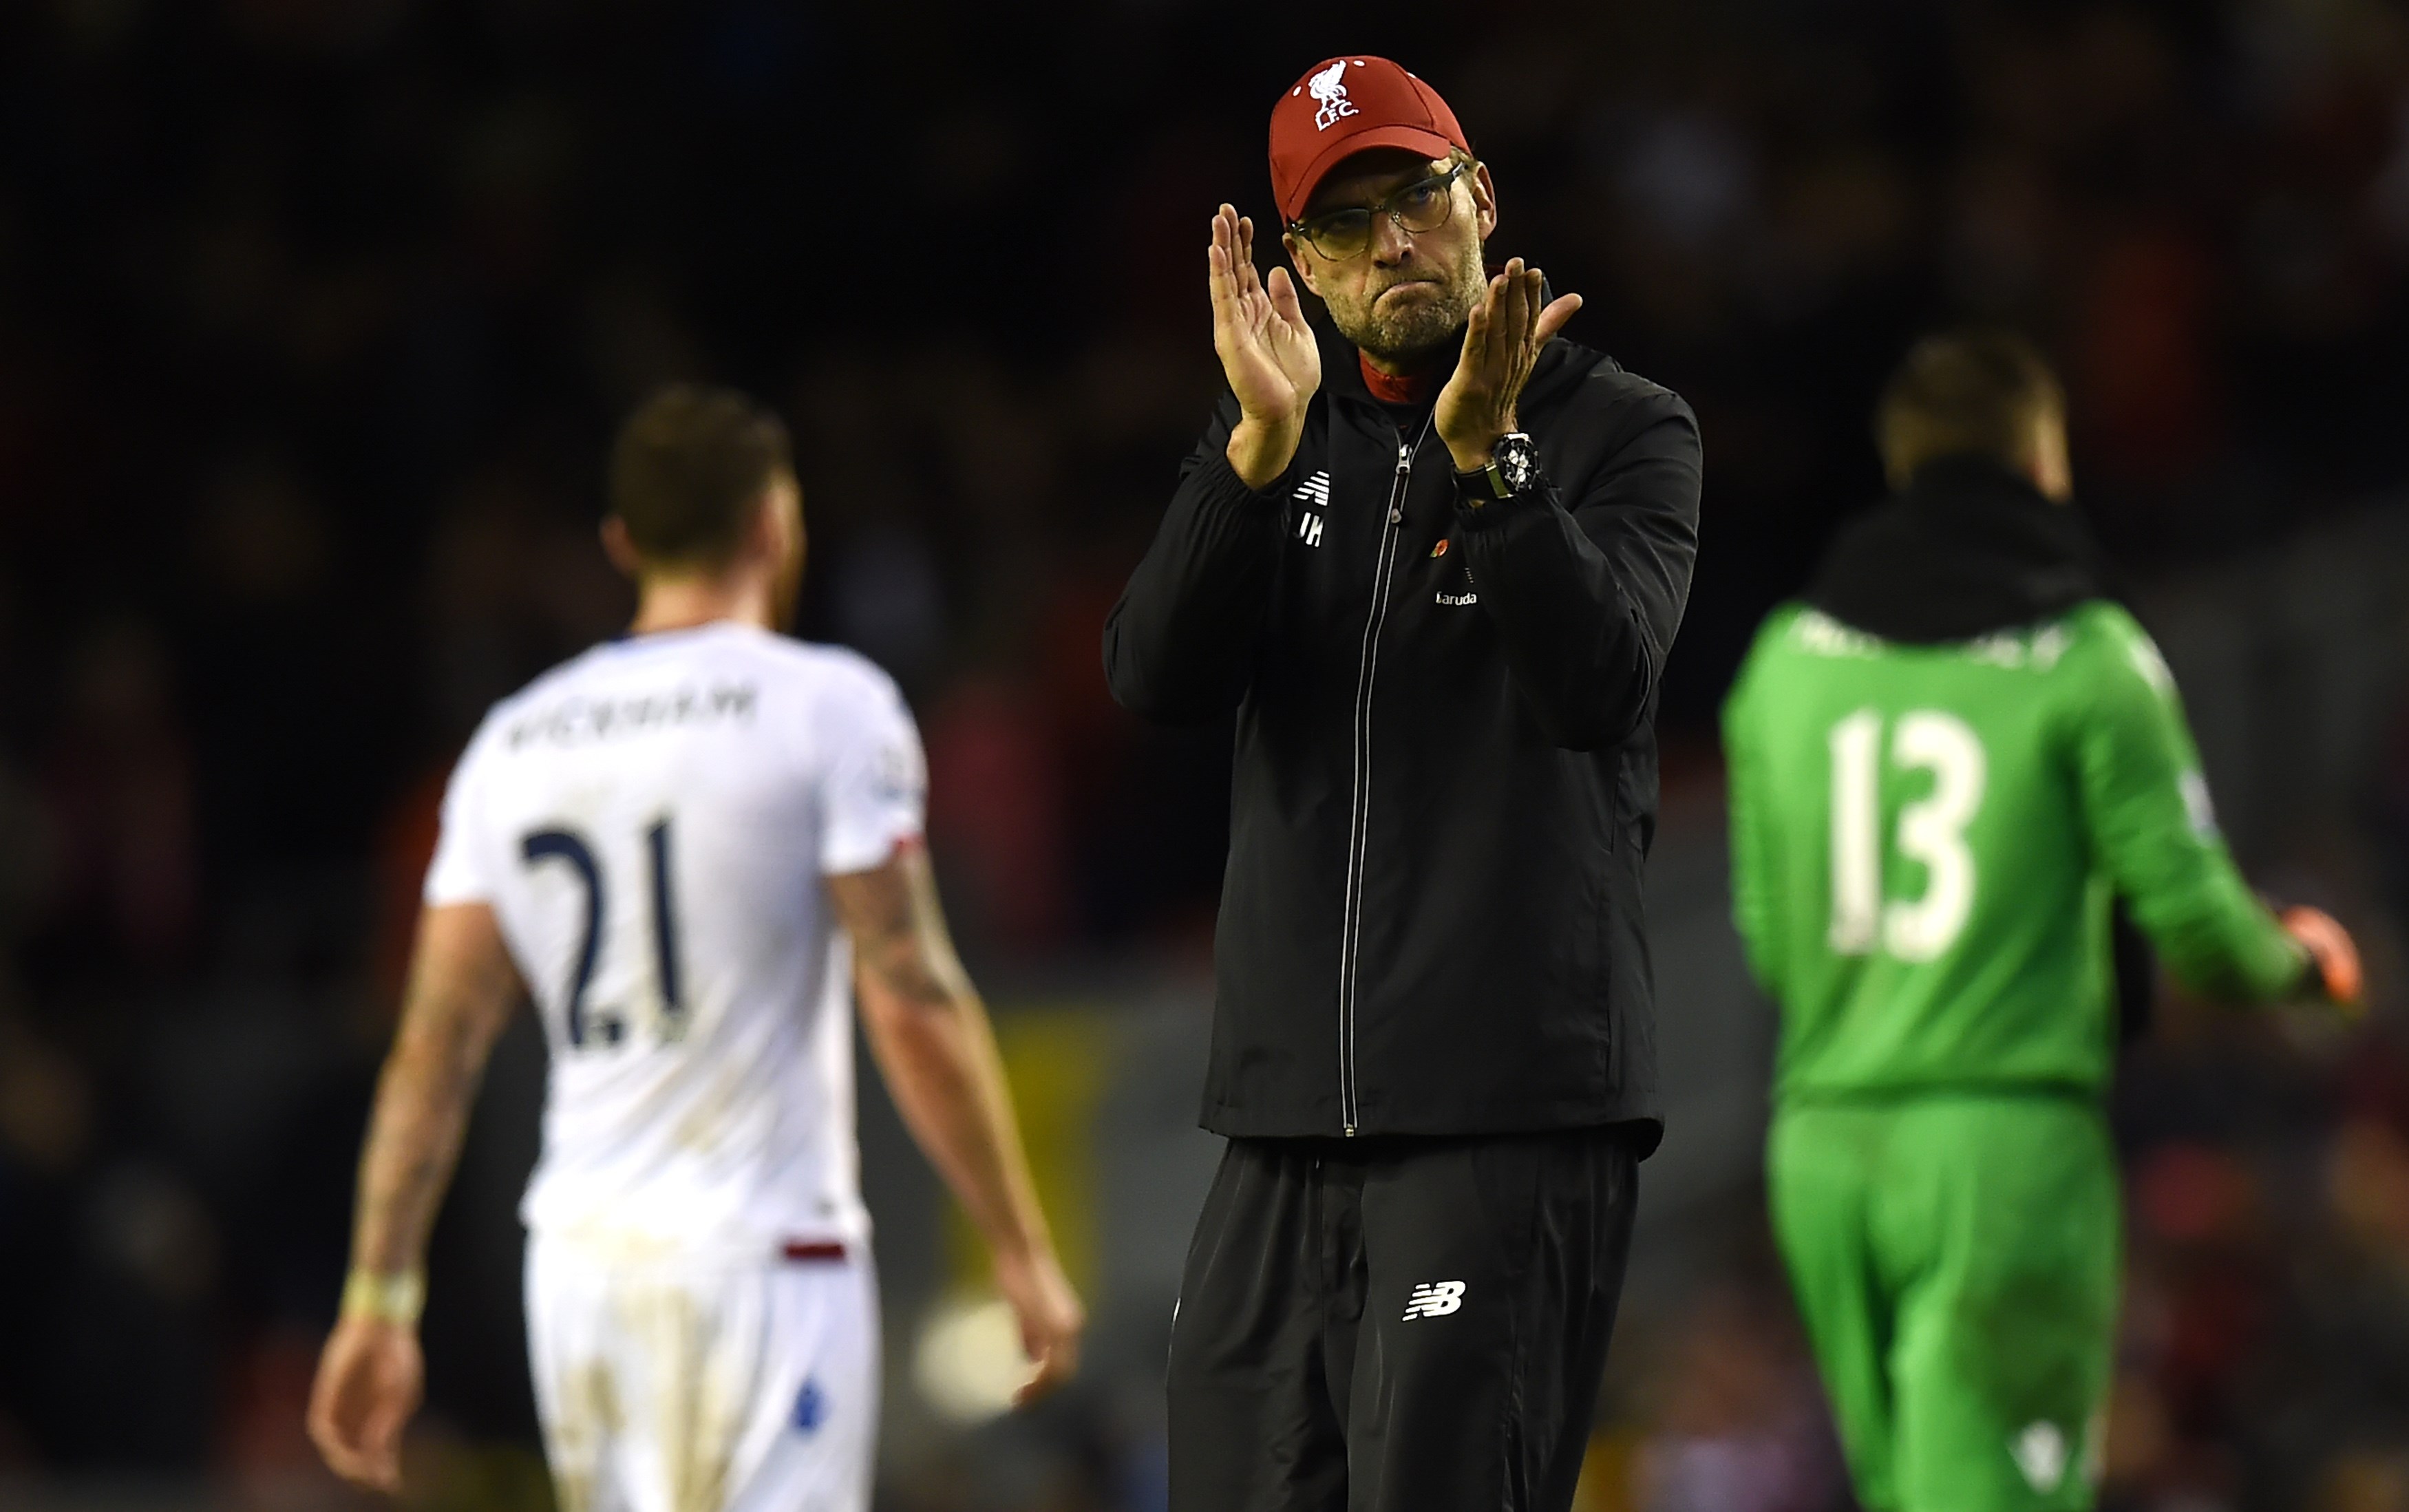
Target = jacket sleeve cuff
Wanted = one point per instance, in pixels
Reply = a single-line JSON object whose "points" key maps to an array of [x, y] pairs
{"points": [[1220, 484], [1493, 513]]}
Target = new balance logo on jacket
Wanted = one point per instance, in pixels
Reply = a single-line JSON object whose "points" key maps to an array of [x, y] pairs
{"points": [[1433, 1299], [1316, 492]]}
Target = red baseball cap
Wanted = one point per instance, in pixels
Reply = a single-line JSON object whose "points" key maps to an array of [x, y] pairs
{"points": [[1345, 105]]}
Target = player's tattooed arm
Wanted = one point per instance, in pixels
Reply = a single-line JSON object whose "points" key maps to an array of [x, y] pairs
{"points": [[462, 987], [931, 1035], [897, 927]]}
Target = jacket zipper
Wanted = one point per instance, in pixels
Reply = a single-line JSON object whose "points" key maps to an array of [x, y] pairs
{"points": [[1359, 813]]}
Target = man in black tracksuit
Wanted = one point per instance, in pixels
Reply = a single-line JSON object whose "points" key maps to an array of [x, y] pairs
{"points": [[1435, 560]]}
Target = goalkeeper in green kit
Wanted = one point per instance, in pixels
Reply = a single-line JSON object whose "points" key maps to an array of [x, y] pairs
{"points": [[1945, 764]]}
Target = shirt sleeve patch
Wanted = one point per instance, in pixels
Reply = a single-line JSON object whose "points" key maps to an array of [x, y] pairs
{"points": [[2198, 805], [875, 780]]}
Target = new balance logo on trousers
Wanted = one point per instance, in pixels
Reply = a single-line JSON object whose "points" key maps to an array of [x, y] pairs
{"points": [[1433, 1299]]}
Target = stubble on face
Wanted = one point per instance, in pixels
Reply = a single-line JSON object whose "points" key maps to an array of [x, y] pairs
{"points": [[1419, 320]]}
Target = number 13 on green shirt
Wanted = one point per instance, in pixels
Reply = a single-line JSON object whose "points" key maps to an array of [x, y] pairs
{"points": [[1926, 838]]}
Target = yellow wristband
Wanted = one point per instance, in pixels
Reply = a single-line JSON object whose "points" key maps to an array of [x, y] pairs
{"points": [[388, 1299]]}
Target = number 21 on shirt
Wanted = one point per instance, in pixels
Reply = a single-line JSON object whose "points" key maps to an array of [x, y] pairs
{"points": [[573, 849], [1930, 830]]}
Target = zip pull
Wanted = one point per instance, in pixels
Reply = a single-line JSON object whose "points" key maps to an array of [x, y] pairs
{"points": [[1398, 494]]}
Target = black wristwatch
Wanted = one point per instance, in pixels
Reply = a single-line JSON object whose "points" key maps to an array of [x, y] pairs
{"points": [[1513, 462]]}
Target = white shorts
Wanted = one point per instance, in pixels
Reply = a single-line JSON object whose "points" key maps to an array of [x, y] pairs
{"points": [[690, 1386]]}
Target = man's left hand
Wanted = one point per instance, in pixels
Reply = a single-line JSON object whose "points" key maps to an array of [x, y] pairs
{"points": [[1501, 344]]}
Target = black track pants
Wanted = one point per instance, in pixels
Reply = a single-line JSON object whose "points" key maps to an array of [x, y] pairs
{"points": [[1398, 1325]]}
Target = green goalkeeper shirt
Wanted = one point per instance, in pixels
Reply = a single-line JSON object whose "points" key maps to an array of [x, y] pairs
{"points": [[1925, 839]]}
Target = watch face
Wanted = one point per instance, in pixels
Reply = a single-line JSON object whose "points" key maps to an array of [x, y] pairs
{"points": [[1517, 461]]}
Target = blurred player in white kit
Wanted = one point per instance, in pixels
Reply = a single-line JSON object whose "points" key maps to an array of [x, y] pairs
{"points": [[688, 847]]}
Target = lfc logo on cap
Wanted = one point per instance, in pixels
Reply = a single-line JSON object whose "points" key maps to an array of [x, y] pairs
{"points": [[1330, 88]]}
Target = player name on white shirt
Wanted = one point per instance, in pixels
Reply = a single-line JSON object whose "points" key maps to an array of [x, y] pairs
{"points": [[568, 720], [651, 823]]}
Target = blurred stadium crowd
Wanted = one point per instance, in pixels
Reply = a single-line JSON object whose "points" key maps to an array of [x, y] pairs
{"points": [[315, 316]]}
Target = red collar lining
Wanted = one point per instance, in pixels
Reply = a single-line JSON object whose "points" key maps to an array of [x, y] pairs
{"points": [[1407, 388]]}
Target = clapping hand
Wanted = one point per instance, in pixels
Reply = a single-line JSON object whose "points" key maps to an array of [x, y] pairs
{"points": [[1501, 344], [1267, 351]]}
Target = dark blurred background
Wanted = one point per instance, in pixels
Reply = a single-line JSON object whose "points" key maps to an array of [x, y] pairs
{"points": [[315, 318]]}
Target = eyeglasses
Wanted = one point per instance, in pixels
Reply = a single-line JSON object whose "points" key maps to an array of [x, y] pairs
{"points": [[1420, 205]]}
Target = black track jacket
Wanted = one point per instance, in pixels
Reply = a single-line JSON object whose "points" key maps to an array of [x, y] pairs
{"points": [[1446, 765]]}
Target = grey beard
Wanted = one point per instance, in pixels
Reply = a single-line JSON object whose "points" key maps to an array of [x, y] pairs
{"points": [[1404, 341], [1423, 333]]}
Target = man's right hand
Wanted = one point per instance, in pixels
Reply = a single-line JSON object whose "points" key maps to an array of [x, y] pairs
{"points": [[1267, 351], [369, 1383], [2334, 970]]}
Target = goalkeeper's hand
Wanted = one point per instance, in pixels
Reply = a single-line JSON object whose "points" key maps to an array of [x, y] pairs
{"points": [[2333, 972]]}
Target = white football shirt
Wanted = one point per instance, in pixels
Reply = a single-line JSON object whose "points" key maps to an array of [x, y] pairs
{"points": [[651, 823]]}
